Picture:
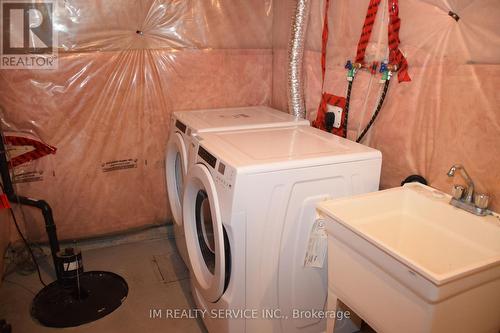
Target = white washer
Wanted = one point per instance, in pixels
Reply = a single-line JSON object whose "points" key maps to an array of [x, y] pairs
{"points": [[185, 124], [249, 206]]}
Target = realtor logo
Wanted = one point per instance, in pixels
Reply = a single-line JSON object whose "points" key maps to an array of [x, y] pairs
{"points": [[28, 39]]}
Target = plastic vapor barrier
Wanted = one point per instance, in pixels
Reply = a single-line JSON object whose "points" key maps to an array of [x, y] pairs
{"points": [[449, 113], [124, 66]]}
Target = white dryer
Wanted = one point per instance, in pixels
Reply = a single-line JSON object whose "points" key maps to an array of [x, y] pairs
{"points": [[185, 124], [249, 206]]}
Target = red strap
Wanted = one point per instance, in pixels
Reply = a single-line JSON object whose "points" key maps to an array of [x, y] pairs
{"points": [[4, 202], [324, 42], [41, 149], [371, 15], [396, 57]]}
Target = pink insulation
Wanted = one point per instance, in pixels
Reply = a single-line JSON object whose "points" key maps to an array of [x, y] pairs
{"points": [[124, 66], [449, 113]]}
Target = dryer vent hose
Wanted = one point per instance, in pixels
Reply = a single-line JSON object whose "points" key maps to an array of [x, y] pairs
{"points": [[295, 91]]}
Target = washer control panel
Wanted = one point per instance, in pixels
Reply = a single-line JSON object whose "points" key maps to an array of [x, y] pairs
{"points": [[224, 175], [221, 172]]}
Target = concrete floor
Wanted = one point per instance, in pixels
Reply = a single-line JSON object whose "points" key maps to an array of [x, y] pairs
{"points": [[156, 277]]}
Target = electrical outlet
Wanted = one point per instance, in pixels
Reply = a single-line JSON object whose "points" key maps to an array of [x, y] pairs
{"points": [[338, 114]]}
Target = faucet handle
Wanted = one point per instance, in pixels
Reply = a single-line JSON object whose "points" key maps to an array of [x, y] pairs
{"points": [[481, 200], [457, 191]]}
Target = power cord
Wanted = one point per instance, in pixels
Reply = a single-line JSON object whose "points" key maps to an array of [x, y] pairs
{"points": [[28, 247]]}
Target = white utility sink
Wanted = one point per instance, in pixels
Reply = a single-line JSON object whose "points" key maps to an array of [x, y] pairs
{"points": [[406, 260]]}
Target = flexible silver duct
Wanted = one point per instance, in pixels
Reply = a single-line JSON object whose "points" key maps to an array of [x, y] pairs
{"points": [[295, 91]]}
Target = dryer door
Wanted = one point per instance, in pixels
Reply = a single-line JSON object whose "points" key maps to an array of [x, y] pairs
{"points": [[204, 233], [175, 172]]}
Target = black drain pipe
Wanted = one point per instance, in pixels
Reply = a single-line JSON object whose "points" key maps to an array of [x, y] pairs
{"points": [[50, 226]]}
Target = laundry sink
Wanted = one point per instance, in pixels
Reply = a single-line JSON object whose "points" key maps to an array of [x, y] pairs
{"points": [[405, 256]]}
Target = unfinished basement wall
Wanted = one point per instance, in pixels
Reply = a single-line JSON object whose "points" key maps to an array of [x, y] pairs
{"points": [[124, 66], [449, 113]]}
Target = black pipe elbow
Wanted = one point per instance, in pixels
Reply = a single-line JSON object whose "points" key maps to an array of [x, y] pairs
{"points": [[44, 207]]}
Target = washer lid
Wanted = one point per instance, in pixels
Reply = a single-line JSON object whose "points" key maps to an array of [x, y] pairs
{"points": [[211, 120], [292, 146], [283, 143]]}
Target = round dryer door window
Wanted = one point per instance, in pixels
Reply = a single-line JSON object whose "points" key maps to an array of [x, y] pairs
{"points": [[175, 172], [204, 233]]}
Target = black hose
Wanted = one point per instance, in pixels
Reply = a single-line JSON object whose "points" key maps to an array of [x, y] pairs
{"points": [[347, 101], [377, 110]]}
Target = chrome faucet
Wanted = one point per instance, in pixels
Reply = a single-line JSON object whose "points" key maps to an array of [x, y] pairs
{"points": [[470, 184], [475, 203]]}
